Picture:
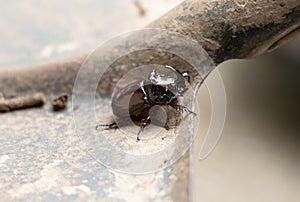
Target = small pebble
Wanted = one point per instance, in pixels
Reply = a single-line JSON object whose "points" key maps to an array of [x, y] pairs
{"points": [[60, 102]]}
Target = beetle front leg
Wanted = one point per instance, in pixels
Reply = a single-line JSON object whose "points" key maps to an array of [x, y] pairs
{"points": [[145, 122], [182, 108], [141, 129], [144, 92]]}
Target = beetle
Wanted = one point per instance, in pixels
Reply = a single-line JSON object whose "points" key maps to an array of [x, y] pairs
{"points": [[162, 87]]}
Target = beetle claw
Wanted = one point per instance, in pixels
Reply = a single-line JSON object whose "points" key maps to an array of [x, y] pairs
{"points": [[142, 128], [183, 109], [109, 125]]}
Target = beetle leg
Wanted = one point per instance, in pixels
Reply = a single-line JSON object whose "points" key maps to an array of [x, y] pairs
{"points": [[112, 125], [144, 92], [145, 122], [182, 108], [141, 129]]}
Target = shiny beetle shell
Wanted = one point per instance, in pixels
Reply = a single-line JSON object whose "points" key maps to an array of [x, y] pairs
{"points": [[161, 87]]}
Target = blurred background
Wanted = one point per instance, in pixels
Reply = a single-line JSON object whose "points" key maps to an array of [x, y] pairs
{"points": [[258, 155], [38, 31]]}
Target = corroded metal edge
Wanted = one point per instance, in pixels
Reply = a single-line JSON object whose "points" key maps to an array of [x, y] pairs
{"points": [[234, 29]]}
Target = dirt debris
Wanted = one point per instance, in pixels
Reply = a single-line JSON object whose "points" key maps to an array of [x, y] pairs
{"points": [[60, 102]]}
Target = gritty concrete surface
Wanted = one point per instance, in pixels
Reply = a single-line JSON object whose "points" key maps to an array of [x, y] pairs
{"points": [[41, 156], [45, 162], [34, 32]]}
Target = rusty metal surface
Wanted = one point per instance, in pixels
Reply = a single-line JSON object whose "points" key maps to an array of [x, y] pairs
{"points": [[41, 158], [234, 29]]}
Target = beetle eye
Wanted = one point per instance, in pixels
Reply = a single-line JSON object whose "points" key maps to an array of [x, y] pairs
{"points": [[185, 74]]}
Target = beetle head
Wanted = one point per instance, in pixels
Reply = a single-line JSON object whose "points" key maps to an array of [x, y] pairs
{"points": [[166, 84]]}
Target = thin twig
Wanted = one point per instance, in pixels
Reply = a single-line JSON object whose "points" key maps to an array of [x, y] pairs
{"points": [[36, 100], [140, 8]]}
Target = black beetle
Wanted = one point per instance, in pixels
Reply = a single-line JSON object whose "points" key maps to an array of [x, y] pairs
{"points": [[159, 88]]}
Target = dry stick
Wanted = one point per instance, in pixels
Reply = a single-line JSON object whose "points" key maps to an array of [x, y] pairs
{"points": [[35, 100], [139, 7]]}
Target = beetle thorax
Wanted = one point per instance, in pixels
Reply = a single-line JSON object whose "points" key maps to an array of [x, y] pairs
{"points": [[162, 87], [158, 94]]}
